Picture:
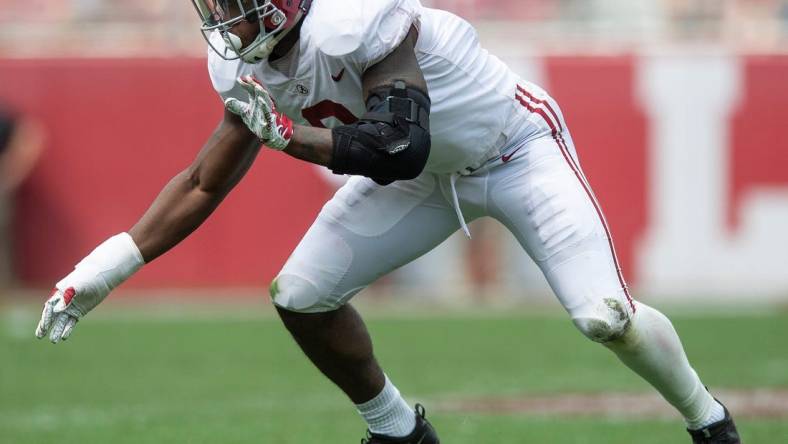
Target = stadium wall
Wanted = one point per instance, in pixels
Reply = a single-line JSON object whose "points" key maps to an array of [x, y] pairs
{"points": [[686, 153]]}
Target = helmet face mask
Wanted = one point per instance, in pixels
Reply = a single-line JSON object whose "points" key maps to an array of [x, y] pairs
{"points": [[274, 17]]}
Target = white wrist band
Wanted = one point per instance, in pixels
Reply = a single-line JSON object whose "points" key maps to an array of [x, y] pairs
{"points": [[115, 260]]}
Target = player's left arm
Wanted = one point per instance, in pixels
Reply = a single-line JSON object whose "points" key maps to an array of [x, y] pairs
{"points": [[401, 64], [390, 142]]}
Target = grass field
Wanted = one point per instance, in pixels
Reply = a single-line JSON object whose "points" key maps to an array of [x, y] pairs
{"points": [[240, 379]]}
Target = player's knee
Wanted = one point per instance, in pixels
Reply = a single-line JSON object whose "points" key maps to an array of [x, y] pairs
{"points": [[604, 322], [296, 294]]}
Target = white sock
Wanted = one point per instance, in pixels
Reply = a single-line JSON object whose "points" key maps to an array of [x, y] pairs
{"points": [[652, 348], [715, 413], [388, 414]]}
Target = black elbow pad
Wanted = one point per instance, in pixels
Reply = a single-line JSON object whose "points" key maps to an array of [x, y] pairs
{"points": [[391, 141]]}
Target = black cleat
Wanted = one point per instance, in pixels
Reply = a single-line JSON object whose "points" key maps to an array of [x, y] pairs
{"points": [[721, 432], [422, 434]]}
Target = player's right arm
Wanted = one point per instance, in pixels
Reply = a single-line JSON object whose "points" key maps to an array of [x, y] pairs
{"points": [[192, 195], [184, 203]]}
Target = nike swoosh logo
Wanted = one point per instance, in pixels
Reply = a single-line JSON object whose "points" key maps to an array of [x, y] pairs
{"points": [[339, 76], [507, 157]]}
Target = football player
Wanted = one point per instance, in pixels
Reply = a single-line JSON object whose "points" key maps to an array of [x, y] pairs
{"points": [[436, 132]]}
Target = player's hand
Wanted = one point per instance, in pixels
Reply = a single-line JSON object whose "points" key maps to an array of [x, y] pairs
{"points": [[260, 115], [92, 280], [59, 316]]}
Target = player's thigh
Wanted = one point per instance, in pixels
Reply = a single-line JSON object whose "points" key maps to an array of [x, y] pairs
{"points": [[546, 203], [363, 232]]}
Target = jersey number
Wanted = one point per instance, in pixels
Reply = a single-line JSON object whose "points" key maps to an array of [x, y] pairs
{"points": [[315, 114]]}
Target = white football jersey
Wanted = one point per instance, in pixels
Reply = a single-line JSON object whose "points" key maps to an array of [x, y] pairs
{"points": [[473, 113]]}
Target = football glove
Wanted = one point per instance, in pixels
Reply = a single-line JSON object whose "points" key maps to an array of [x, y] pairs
{"points": [[108, 266], [260, 115]]}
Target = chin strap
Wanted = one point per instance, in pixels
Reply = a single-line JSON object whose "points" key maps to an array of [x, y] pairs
{"points": [[265, 48]]}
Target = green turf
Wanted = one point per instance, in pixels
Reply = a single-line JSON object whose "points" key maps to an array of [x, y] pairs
{"points": [[132, 380]]}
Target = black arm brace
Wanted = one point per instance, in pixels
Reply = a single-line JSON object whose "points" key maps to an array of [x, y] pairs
{"points": [[391, 141]]}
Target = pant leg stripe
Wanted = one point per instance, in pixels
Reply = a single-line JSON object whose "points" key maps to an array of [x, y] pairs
{"points": [[539, 108]]}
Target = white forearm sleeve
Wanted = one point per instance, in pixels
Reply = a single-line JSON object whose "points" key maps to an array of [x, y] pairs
{"points": [[111, 263]]}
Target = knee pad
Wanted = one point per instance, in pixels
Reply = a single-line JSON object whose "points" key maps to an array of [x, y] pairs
{"points": [[295, 294], [605, 321]]}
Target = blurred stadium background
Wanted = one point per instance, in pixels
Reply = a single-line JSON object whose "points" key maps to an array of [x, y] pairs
{"points": [[678, 108]]}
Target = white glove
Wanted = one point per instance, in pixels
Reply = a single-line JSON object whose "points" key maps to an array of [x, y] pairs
{"points": [[108, 266], [260, 115]]}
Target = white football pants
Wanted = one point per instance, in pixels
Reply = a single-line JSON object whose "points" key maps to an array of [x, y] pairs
{"points": [[537, 190]]}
